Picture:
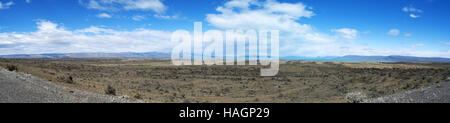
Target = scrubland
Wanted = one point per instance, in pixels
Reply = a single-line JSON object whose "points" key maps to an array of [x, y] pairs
{"points": [[154, 80]]}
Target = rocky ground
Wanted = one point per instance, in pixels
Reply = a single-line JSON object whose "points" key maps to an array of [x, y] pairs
{"points": [[439, 93], [24, 88]]}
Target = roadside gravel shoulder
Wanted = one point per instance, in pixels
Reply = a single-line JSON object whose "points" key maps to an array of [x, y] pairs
{"points": [[438, 93], [16, 87]]}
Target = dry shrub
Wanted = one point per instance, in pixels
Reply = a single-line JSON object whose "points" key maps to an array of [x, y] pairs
{"points": [[110, 90], [137, 96], [66, 79], [11, 67]]}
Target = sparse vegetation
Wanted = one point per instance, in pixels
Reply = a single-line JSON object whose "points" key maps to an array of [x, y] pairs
{"points": [[110, 90], [137, 96], [11, 67], [297, 81], [66, 79]]}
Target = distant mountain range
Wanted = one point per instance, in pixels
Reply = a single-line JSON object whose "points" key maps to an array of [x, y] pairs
{"points": [[92, 55], [349, 58], [355, 58], [394, 58]]}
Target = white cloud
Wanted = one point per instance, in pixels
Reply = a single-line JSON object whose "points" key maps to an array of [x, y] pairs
{"points": [[168, 17], [51, 38], [413, 16], [408, 34], [411, 9], [445, 42], [270, 15], [413, 12], [28, 1], [96, 30], [114, 5], [138, 17], [346, 33], [104, 15], [297, 39], [367, 32], [243, 4], [6, 5], [394, 32], [342, 49], [348, 49]]}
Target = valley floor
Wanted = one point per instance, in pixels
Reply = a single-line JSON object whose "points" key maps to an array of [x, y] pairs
{"points": [[153, 80]]}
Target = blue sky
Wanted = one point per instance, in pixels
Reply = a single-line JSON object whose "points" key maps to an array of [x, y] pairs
{"points": [[307, 27]]}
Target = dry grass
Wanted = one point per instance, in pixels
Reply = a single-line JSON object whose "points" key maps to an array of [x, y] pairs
{"points": [[387, 66], [298, 81]]}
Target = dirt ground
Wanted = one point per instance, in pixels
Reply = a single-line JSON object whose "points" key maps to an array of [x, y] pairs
{"points": [[17, 87], [155, 80]]}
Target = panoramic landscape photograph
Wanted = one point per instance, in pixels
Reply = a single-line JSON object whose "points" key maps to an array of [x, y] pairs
{"points": [[224, 51]]}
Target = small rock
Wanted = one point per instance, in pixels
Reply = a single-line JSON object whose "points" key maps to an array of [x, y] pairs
{"points": [[124, 97], [355, 97]]}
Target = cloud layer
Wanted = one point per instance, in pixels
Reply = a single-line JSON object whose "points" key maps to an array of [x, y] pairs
{"points": [[347, 33], [297, 39], [104, 15], [413, 12], [114, 5], [51, 38], [394, 32], [270, 15], [6, 5]]}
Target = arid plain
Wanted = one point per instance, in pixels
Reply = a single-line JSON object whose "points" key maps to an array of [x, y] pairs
{"points": [[156, 80]]}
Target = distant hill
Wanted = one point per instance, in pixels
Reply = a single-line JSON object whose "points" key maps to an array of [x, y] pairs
{"points": [[355, 58], [393, 59], [349, 58], [92, 55]]}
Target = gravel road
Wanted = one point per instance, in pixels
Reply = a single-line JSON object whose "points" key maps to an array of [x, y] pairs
{"points": [[24, 88], [439, 93]]}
